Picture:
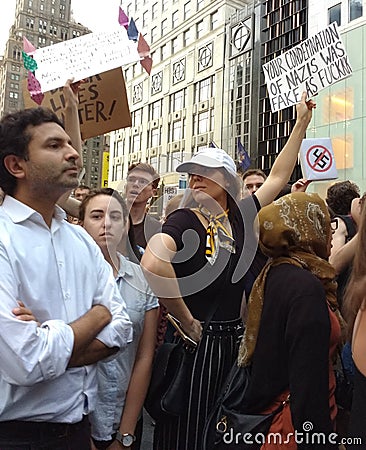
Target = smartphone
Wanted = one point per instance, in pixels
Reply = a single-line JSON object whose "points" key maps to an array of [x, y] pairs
{"points": [[176, 324]]}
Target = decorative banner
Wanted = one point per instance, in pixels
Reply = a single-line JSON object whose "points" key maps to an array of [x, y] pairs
{"points": [[103, 104], [314, 64], [123, 18], [29, 62], [317, 159], [83, 57], [34, 89]]}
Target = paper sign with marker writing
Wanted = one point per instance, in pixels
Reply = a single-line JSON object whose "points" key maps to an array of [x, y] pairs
{"points": [[314, 64], [83, 57], [103, 104], [317, 159]]}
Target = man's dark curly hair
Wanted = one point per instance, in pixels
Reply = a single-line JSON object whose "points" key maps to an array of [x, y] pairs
{"points": [[15, 137], [340, 196]]}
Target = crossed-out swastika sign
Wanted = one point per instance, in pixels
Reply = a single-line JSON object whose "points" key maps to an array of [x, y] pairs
{"points": [[317, 159]]}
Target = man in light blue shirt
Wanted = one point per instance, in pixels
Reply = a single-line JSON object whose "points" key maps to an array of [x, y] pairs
{"points": [[47, 370]]}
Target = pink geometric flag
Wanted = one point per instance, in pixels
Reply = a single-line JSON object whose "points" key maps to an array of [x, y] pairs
{"points": [[28, 47], [34, 88], [147, 64], [143, 47], [123, 18]]}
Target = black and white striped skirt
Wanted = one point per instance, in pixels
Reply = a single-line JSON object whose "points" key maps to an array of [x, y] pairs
{"points": [[215, 356]]}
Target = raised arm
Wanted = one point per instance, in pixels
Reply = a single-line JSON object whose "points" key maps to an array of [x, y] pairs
{"points": [[72, 128], [342, 257], [285, 162], [159, 272]]}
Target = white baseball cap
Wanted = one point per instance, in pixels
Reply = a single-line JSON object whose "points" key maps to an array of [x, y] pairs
{"points": [[209, 157]]}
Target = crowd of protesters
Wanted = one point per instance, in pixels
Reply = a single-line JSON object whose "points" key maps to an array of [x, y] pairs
{"points": [[84, 295]]}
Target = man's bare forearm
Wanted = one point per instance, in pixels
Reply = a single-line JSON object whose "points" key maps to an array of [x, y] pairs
{"points": [[85, 329], [94, 352]]}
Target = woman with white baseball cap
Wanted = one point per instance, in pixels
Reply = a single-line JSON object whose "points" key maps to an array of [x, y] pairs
{"points": [[200, 260]]}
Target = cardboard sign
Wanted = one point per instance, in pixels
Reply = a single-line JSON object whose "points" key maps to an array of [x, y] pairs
{"points": [[318, 62], [83, 57], [103, 104], [317, 159]]}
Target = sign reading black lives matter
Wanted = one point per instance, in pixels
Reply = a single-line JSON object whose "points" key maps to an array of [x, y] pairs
{"points": [[312, 65]]}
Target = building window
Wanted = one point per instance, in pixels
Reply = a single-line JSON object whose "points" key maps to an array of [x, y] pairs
{"points": [[75, 34], [164, 5], [63, 34], [15, 68], [204, 89], [179, 70], [156, 83], [174, 45], [41, 7], [200, 29], [13, 95], [214, 18], [205, 57], [164, 52], [200, 4], [178, 100], [29, 23], [187, 37], [154, 10], [155, 110], [355, 9], [155, 137], [137, 93], [137, 117], [145, 16], [176, 131], [164, 27], [175, 17], [154, 34], [334, 14], [187, 9], [136, 143], [17, 54]]}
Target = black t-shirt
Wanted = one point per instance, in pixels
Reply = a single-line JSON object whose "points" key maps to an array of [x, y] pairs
{"points": [[199, 281], [144, 230]]}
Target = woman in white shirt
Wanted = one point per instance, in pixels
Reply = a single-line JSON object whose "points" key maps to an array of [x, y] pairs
{"points": [[122, 382]]}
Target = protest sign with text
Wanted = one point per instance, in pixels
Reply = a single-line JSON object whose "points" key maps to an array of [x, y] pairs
{"points": [[318, 62], [83, 57], [103, 104]]}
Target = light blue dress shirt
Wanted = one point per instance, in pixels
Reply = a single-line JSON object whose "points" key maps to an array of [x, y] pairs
{"points": [[114, 376], [59, 273]]}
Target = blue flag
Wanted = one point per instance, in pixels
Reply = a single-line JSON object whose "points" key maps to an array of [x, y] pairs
{"points": [[212, 145], [132, 31], [243, 157]]}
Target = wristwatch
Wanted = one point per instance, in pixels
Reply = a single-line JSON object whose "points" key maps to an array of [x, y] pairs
{"points": [[126, 439]]}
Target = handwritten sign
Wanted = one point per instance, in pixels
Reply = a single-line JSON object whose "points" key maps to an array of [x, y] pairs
{"points": [[83, 57], [318, 62], [103, 104], [317, 159]]}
